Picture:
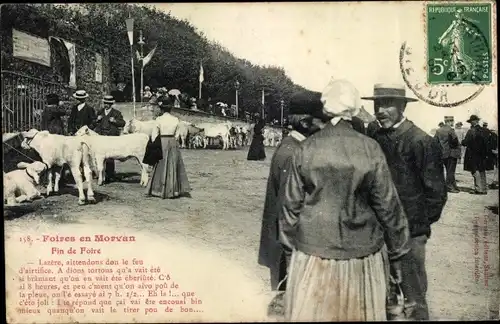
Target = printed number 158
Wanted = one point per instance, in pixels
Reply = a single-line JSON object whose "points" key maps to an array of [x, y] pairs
{"points": [[25, 239]]}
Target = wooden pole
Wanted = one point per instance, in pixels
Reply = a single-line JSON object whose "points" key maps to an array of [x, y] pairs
{"points": [[133, 76]]}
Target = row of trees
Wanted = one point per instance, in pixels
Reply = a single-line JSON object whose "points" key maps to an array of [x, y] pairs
{"points": [[180, 49]]}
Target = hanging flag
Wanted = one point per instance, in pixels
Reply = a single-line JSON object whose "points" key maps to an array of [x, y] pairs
{"points": [[148, 57], [138, 55], [66, 54], [201, 73]]}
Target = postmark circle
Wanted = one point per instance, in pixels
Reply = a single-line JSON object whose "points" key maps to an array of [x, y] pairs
{"points": [[413, 67]]}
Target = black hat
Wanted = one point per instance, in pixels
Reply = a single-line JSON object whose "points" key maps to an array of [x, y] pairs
{"points": [[165, 102], [473, 118], [305, 103], [52, 99]]}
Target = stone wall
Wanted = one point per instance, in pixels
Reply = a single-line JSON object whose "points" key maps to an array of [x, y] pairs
{"points": [[195, 117]]}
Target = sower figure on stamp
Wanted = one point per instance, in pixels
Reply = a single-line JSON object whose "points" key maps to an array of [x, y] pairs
{"points": [[108, 122], [343, 219], [477, 152], [414, 159], [303, 107], [450, 151]]}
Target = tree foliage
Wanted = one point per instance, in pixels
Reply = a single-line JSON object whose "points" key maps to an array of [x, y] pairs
{"points": [[180, 49]]}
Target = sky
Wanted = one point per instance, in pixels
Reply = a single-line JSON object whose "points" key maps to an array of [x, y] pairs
{"points": [[314, 42]]}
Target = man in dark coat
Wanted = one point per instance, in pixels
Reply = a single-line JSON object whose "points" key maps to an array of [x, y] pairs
{"points": [[450, 152], [477, 152], [81, 114], [108, 122], [302, 106], [491, 160], [414, 159], [52, 114]]}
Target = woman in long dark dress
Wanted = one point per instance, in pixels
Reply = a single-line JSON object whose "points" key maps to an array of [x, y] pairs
{"points": [[256, 151], [169, 178]]}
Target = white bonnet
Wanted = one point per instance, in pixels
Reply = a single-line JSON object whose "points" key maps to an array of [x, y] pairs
{"points": [[341, 99]]}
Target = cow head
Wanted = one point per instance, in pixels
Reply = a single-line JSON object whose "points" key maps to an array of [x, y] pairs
{"points": [[85, 130], [33, 169], [129, 127], [30, 135]]}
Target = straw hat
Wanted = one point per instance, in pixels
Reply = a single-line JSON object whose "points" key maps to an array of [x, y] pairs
{"points": [[389, 91], [80, 94], [108, 99]]}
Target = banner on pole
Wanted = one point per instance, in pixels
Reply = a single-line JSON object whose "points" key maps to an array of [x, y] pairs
{"points": [[148, 57], [72, 63], [201, 73]]}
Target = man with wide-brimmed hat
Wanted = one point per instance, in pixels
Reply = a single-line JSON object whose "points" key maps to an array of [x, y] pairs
{"points": [[414, 158], [303, 105], [109, 121], [82, 114], [450, 151], [478, 153], [340, 212]]}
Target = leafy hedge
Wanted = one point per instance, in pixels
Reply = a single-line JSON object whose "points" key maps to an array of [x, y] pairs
{"points": [[42, 22], [176, 62]]}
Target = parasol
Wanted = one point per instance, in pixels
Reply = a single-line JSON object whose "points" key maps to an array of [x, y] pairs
{"points": [[174, 92]]}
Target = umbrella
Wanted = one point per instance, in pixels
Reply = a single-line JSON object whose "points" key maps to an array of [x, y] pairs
{"points": [[174, 92]]}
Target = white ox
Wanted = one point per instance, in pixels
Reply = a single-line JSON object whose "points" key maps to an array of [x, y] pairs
{"points": [[272, 136], [139, 126], [19, 185], [58, 150], [216, 130], [185, 129], [120, 148]]}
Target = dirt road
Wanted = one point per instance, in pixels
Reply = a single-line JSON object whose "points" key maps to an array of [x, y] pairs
{"points": [[223, 218]]}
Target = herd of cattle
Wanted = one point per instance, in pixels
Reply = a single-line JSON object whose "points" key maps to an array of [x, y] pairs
{"points": [[226, 135], [86, 152]]}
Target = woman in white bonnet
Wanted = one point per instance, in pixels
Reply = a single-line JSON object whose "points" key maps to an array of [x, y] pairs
{"points": [[342, 218]]}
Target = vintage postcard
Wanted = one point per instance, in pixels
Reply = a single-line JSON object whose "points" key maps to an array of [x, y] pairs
{"points": [[250, 162]]}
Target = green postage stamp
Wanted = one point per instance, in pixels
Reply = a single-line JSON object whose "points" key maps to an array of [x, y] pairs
{"points": [[459, 42]]}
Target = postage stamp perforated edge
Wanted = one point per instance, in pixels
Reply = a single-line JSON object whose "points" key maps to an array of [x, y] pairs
{"points": [[492, 45]]}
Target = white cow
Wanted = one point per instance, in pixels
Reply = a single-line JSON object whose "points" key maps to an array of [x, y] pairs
{"points": [[57, 150], [19, 185], [139, 126], [120, 148], [216, 130], [185, 129], [196, 141]]}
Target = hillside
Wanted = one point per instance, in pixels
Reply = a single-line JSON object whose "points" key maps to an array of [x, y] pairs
{"points": [[175, 65]]}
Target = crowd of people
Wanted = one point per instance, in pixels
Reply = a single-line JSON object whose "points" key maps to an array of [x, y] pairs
{"points": [[169, 179], [480, 152], [348, 211], [106, 121]]}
